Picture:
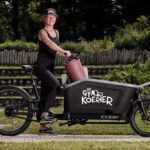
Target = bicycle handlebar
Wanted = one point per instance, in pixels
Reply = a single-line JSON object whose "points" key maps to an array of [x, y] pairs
{"points": [[145, 84], [73, 56]]}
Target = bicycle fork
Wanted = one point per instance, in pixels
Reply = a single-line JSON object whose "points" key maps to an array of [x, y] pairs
{"points": [[140, 102]]}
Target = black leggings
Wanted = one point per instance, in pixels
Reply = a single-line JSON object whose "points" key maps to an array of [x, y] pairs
{"points": [[49, 87]]}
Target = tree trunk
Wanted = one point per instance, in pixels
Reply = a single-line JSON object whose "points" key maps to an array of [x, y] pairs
{"points": [[15, 20]]}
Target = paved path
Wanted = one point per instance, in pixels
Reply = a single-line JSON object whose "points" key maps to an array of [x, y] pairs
{"points": [[46, 138]]}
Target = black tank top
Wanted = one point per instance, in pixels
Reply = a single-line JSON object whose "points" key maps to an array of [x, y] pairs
{"points": [[46, 56]]}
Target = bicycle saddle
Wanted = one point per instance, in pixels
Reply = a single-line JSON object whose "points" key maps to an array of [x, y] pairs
{"points": [[28, 67]]}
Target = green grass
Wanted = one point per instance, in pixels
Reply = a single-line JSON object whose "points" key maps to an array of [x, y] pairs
{"points": [[76, 145], [29, 77], [62, 67], [19, 67], [10, 67], [15, 77]]}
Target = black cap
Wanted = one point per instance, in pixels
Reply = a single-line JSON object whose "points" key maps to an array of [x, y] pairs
{"points": [[50, 11]]}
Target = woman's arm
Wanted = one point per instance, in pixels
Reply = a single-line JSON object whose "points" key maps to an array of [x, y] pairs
{"points": [[42, 36]]}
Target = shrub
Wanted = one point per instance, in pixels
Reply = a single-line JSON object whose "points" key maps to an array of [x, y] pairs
{"points": [[75, 47], [134, 74], [144, 41], [100, 45], [127, 38], [134, 36], [19, 45], [89, 47]]}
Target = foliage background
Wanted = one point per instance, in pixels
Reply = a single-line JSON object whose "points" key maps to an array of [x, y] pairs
{"points": [[78, 19], [132, 36]]}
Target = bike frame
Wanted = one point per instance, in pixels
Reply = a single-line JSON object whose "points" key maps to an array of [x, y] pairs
{"points": [[83, 118]]}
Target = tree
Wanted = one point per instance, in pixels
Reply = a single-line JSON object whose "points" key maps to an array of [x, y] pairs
{"points": [[5, 21], [132, 9], [78, 19], [15, 21]]}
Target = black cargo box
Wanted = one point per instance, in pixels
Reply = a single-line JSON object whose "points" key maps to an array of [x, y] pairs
{"points": [[92, 96]]}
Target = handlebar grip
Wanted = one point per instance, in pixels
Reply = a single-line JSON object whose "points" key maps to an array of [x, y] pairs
{"points": [[73, 56]]}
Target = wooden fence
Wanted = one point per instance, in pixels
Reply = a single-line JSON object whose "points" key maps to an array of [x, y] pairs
{"points": [[12, 57]]}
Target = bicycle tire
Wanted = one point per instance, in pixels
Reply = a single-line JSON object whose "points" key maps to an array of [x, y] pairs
{"points": [[138, 122], [15, 110]]}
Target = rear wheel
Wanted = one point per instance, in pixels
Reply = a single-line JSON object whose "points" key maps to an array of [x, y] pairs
{"points": [[139, 122], [15, 110]]}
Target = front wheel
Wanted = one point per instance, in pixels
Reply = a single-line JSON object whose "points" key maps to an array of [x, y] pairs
{"points": [[15, 110], [139, 122]]}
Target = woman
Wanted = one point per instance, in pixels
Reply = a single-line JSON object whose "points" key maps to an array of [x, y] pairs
{"points": [[48, 48]]}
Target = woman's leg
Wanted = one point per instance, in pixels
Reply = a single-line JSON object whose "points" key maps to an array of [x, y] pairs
{"points": [[49, 87], [42, 103]]}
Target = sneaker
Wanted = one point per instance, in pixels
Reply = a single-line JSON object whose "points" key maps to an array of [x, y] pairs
{"points": [[51, 113], [46, 131], [38, 114], [47, 119]]}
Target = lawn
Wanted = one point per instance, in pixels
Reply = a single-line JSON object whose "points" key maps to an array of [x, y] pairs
{"points": [[73, 145]]}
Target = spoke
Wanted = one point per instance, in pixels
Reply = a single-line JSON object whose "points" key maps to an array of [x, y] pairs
{"points": [[13, 110]]}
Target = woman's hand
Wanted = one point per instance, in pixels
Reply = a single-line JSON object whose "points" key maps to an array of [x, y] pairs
{"points": [[64, 53], [67, 53], [61, 54]]}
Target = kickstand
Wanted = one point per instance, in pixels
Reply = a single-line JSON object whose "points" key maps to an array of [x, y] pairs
{"points": [[62, 124], [68, 123]]}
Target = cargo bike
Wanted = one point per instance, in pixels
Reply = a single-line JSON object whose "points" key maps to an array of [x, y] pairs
{"points": [[86, 101]]}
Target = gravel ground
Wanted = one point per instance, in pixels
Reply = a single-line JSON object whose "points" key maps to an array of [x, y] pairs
{"points": [[46, 138]]}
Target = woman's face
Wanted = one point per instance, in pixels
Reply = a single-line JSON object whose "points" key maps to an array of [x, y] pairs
{"points": [[50, 20]]}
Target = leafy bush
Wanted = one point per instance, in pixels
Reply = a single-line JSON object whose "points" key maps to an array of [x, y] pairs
{"points": [[88, 47], [126, 38], [144, 41], [134, 74], [75, 47], [100, 45], [19, 45], [134, 36]]}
